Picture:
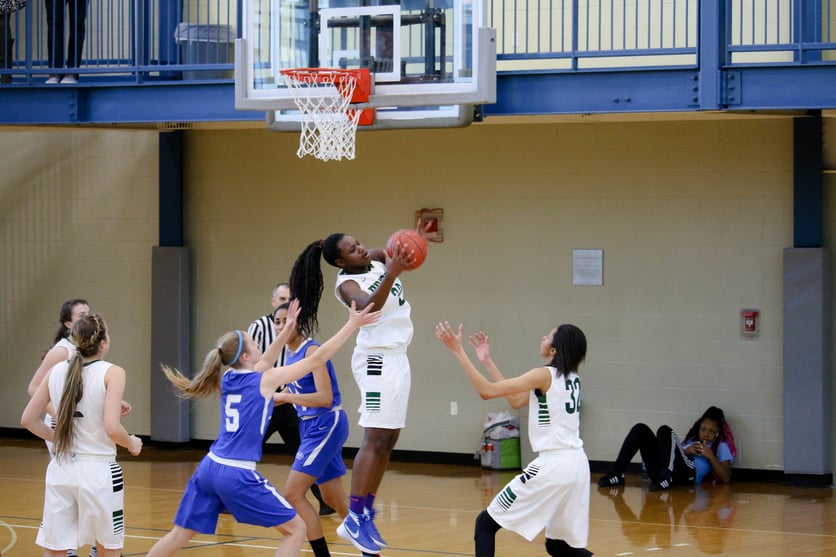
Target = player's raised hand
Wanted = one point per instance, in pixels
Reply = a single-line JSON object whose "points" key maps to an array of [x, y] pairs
{"points": [[293, 311], [450, 338], [479, 342]]}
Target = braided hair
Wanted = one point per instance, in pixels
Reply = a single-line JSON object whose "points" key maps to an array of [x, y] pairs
{"points": [[87, 334], [306, 282]]}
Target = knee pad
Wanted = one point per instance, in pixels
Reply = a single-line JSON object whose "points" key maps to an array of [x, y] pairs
{"points": [[559, 548], [486, 524], [484, 535]]}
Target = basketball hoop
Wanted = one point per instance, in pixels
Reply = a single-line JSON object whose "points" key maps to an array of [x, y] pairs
{"points": [[323, 96]]}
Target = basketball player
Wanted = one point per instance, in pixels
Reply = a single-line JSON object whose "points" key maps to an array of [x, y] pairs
{"points": [[84, 496], [62, 349], [553, 490], [284, 420], [379, 364], [324, 429], [226, 478]]}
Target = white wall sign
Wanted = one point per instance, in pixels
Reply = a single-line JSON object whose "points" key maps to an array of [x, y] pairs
{"points": [[587, 267]]}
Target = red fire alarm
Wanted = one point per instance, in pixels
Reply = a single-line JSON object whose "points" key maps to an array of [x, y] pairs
{"points": [[750, 326], [430, 223]]}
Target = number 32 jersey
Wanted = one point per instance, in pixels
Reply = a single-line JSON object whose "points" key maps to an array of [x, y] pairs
{"points": [[554, 416], [244, 416]]}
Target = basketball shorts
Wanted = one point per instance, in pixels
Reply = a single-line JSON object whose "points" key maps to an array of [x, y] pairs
{"points": [[383, 377], [83, 504], [552, 493], [321, 453], [244, 492]]}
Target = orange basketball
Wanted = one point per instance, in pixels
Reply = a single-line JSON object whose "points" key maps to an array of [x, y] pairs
{"points": [[413, 241]]}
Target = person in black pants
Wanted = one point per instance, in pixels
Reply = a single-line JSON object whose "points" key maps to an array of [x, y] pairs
{"points": [[56, 12], [705, 454]]}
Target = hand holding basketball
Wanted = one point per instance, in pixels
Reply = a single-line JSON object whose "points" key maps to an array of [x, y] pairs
{"points": [[412, 243]]}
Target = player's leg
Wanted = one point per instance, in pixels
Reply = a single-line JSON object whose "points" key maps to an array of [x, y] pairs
{"points": [[295, 489], [567, 532], [559, 548], [484, 535], [171, 542], [287, 423], [334, 494], [294, 536], [372, 459]]}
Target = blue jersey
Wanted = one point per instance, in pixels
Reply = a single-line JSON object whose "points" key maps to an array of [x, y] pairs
{"points": [[306, 385], [245, 414], [702, 465]]}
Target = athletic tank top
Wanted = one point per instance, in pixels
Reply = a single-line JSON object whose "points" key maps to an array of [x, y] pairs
{"points": [[394, 328], [245, 414], [89, 437], [68, 345], [306, 384], [554, 416]]}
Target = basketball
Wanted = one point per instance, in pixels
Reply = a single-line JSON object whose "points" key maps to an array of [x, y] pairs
{"points": [[413, 241]]}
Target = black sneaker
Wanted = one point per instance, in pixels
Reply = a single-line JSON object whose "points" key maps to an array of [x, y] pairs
{"points": [[660, 486], [611, 480], [325, 510]]}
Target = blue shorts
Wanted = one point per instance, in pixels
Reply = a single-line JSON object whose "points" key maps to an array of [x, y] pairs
{"points": [[245, 493], [321, 453]]}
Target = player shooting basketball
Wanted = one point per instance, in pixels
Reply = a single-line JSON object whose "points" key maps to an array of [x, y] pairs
{"points": [[380, 365]]}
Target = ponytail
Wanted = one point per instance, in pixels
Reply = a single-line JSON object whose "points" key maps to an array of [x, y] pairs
{"points": [[208, 380], [306, 285], [87, 334]]}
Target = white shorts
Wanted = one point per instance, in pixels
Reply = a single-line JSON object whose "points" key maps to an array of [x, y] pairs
{"points": [[383, 377], [552, 493], [83, 504]]}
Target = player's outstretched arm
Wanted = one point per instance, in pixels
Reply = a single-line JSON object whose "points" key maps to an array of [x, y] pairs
{"points": [[479, 343], [287, 374], [271, 355], [514, 390]]}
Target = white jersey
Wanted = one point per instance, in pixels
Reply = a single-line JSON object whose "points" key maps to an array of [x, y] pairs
{"points": [[68, 345], [554, 417], [49, 420], [89, 432], [393, 330]]}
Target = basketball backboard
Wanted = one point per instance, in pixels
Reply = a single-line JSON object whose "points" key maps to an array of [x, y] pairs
{"points": [[421, 53]]}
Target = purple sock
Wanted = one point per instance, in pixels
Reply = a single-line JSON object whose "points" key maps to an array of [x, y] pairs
{"points": [[370, 500], [355, 505]]}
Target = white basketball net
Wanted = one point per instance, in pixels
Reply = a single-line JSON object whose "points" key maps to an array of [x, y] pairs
{"points": [[329, 127]]}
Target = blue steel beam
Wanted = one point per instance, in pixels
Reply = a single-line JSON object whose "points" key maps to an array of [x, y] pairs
{"points": [[122, 104], [663, 90]]}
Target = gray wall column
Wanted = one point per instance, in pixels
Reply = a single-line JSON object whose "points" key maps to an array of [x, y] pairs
{"points": [[808, 381], [170, 335], [170, 299]]}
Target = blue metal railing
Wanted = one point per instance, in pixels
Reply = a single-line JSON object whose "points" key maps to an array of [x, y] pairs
{"points": [[136, 41]]}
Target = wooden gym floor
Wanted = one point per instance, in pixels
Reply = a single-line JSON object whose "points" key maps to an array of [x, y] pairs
{"points": [[428, 511]]}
